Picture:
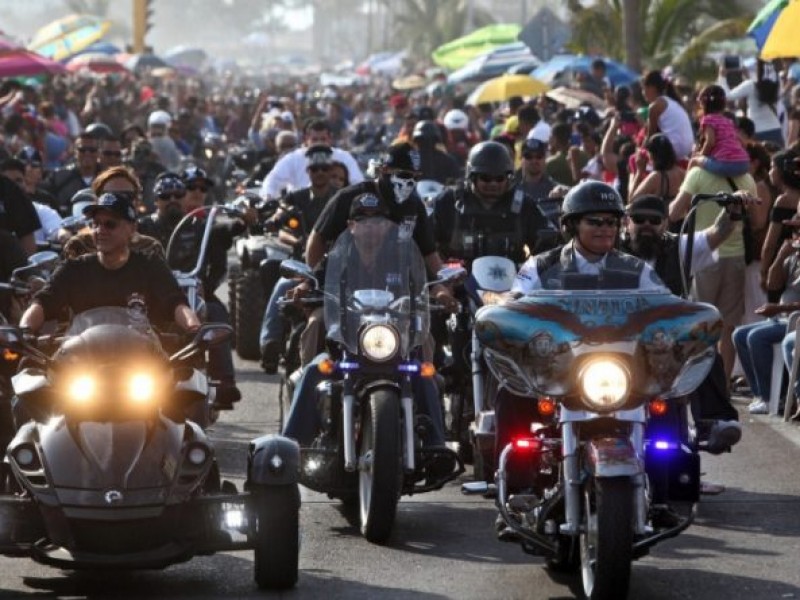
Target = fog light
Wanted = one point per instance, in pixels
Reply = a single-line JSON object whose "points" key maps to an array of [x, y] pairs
{"points": [[197, 456], [234, 519], [25, 457]]}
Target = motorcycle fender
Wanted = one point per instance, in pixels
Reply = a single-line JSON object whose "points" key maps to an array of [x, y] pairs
{"points": [[273, 460], [379, 385], [613, 457]]}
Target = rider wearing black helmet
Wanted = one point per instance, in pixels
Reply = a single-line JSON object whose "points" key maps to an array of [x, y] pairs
{"points": [[435, 163]]}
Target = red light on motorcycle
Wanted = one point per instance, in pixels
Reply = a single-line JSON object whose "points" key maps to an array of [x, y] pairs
{"points": [[658, 407], [293, 223], [527, 444], [326, 366], [546, 407], [427, 370], [9, 355]]}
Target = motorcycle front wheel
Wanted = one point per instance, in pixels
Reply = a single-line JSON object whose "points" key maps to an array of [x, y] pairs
{"points": [[606, 539], [380, 471]]}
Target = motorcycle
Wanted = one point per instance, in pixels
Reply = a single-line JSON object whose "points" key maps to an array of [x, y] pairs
{"points": [[369, 449], [612, 469], [109, 474]]}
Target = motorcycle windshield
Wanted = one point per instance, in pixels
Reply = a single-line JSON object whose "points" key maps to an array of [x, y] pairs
{"points": [[133, 317], [537, 343], [376, 274]]}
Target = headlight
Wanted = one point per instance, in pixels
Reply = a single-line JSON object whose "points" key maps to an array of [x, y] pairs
{"points": [[379, 342], [141, 388], [604, 384], [82, 389]]}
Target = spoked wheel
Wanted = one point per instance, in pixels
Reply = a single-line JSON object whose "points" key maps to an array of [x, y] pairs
{"points": [[380, 472], [606, 539]]}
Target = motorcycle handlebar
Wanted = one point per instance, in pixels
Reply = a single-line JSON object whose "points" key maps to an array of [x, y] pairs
{"points": [[721, 198]]}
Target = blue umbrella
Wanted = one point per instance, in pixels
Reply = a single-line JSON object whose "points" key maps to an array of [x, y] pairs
{"points": [[561, 64]]}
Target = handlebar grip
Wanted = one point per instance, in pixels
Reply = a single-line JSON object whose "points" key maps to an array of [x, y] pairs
{"points": [[721, 198]]}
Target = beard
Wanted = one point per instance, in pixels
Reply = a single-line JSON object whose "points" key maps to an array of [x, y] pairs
{"points": [[646, 246]]}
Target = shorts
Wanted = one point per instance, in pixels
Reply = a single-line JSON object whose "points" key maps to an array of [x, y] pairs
{"points": [[722, 285]]}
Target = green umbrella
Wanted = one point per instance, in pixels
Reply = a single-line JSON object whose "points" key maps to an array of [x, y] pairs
{"points": [[457, 53]]}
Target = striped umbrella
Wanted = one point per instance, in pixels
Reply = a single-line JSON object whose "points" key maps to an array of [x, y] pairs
{"points": [[18, 62], [66, 37], [457, 53], [775, 29], [95, 62], [494, 63]]}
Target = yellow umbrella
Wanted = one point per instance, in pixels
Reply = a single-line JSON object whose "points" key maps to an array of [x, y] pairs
{"points": [[68, 36], [783, 40], [506, 86]]}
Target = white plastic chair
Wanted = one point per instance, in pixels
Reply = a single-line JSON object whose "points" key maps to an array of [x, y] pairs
{"points": [[794, 324]]}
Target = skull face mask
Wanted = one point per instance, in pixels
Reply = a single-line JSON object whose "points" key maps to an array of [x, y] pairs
{"points": [[402, 188]]}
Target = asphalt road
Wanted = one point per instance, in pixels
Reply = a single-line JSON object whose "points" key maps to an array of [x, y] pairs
{"points": [[745, 544]]}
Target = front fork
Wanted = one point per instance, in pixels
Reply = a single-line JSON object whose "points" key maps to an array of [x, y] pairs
{"points": [[348, 423]]}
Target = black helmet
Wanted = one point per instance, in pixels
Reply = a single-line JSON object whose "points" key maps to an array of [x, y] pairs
{"points": [[490, 158], [591, 197], [426, 130], [99, 131]]}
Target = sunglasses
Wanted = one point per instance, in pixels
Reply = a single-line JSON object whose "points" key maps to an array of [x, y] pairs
{"points": [[109, 224], [601, 221], [492, 178], [318, 168], [172, 196], [195, 187], [532, 155], [86, 150], [641, 220]]}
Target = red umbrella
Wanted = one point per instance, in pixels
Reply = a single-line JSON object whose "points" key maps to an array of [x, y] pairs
{"points": [[16, 62], [96, 62]]}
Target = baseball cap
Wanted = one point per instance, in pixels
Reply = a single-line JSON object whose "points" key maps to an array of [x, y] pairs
{"points": [[319, 154], [648, 205], [402, 157], [193, 174], [30, 155], [398, 101], [365, 206], [116, 203], [534, 145]]}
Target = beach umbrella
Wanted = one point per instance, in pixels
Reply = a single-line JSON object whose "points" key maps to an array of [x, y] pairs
{"points": [[66, 37], [561, 64], [95, 62], [410, 82], [504, 87], [775, 29], [142, 62], [16, 62], [573, 99], [457, 53], [493, 63], [186, 56]]}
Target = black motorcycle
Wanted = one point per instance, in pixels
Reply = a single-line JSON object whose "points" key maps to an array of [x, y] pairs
{"points": [[369, 448], [109, 474]]}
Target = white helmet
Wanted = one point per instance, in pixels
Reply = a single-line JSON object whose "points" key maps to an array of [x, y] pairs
{"points": [[456, 119], [159, 117]]}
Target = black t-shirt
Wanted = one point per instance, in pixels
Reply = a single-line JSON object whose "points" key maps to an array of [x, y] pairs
{"points": [[528, 222], [17, 213], [84, 283], [310, 208], [334, 217], [12, 256]]}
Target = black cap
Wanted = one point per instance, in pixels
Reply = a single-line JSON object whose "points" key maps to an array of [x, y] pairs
{"points": [[116, 203], [648, 205], [534, 145], [319, 154], [402, 157], [365, 206], [423, 113], [30, 156], [194, 174]]}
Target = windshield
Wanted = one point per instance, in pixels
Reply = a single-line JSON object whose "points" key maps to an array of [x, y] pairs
{"points": [[132, 317], [375, 274], [617, 272]]}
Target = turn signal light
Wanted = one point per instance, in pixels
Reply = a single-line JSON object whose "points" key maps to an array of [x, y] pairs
{"points": [[293, 223], [427, 370], [546, 407], [9, 355], [658, 407], [326, 366]]}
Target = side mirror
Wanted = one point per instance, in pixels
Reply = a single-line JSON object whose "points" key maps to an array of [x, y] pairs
{"points": [[451, 274], [292, 268], [213, 334]]}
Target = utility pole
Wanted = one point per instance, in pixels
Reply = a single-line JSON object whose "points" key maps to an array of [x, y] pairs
{"points": [[142, 12]]}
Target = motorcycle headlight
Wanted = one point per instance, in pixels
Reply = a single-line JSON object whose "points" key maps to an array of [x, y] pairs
{"points": [[82, 389], [379, 342], [141, 388], [604, 384]]}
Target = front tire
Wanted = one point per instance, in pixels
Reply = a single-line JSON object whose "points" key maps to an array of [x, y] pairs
{"points": [[380, 471], [606, 540], [250, 303], [277, 544]]}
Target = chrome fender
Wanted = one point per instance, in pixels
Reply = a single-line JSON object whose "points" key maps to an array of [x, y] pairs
{"points": [[613, 457]]}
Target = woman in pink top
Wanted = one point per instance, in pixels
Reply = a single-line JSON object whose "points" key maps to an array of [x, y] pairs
{"points": [[722, 151]]}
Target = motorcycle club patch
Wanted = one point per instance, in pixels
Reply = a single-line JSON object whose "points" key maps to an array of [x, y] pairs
{"points": [[406, 229], [416, 161]]}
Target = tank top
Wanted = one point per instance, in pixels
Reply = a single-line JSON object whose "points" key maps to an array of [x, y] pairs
{"points": [[674, 123]]}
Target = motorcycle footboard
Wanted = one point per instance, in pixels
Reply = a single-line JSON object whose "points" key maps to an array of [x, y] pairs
{"points": [[322, 470], [640, 546], [21, 525]]}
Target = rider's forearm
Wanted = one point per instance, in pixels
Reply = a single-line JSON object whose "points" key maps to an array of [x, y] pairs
{"points": [[186, 318], [720, 230], [33, 317]]}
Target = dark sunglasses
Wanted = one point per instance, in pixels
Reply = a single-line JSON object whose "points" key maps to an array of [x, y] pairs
{"points": [[109, 224], [196, 186], [641, 220], [532, 155], [601, 221], [112, 153], [318, 168], [87, 150], [172, 196], [492, 178]]}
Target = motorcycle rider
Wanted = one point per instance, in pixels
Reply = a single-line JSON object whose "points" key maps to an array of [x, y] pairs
{"points": [[308, 203], [173, 203], [64, 183], [436, 164], [647, 238]]}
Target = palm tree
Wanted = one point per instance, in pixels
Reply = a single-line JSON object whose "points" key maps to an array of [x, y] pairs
{"points": [[654, 32]]}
